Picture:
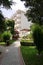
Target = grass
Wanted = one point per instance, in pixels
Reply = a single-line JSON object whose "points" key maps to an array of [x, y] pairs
{"points": [[30, 56], [10, 42], [2, 43]]}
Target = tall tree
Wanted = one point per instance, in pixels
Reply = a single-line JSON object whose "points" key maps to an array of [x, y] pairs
{"points": [[10, 25], [35, 14], [6, 4], [35, 11], [2, 23]]}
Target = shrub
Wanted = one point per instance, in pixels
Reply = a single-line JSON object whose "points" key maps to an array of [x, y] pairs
{"points": [[10, 25], [38, 37], [27, 42], [29, 36], [0, 37], [6, 37]]}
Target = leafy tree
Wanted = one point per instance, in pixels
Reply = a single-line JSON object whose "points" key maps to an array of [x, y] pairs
{"points": [[2, 23], [38, 37], [6, 4], [10, 25], [35, 11], [35, 14]]}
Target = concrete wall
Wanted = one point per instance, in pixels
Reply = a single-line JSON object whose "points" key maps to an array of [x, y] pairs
{"points": [[24, 22]]}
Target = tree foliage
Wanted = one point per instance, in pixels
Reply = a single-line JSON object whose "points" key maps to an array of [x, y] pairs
{"points": [[35, 11], [6, 4], [38, 37], [10, 25], [2, 23]]}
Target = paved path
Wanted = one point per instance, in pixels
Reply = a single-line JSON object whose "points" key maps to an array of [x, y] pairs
{"points": [[12, 55]]}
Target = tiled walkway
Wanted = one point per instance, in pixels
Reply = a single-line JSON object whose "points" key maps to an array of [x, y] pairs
{"points": [[12, 55]]}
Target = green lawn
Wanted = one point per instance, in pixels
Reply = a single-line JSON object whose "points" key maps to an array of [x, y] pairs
{"points": [[30, 55], [2, 43], [10, 42]]}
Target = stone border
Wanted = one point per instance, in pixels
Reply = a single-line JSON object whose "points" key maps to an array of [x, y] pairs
{"points": [[21, 58]]}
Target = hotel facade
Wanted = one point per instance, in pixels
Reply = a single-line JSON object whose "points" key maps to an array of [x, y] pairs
{"points": [[21, 21]]}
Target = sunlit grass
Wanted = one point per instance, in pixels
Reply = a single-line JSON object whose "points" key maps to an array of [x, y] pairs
{"points": [[2, 43], [30, 56]]}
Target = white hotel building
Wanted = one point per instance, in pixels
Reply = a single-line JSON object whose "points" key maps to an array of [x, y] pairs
{"points": [[21, 22]]}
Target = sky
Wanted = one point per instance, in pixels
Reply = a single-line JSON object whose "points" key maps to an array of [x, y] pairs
{"points": [[9, 12]]}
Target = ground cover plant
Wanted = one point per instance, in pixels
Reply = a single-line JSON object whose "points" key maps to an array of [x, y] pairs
{"points": [[2, 43], [27, 40], [30, 55]]}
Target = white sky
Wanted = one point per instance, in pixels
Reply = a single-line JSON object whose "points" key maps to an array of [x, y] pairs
{"points": [[19, 5]]}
